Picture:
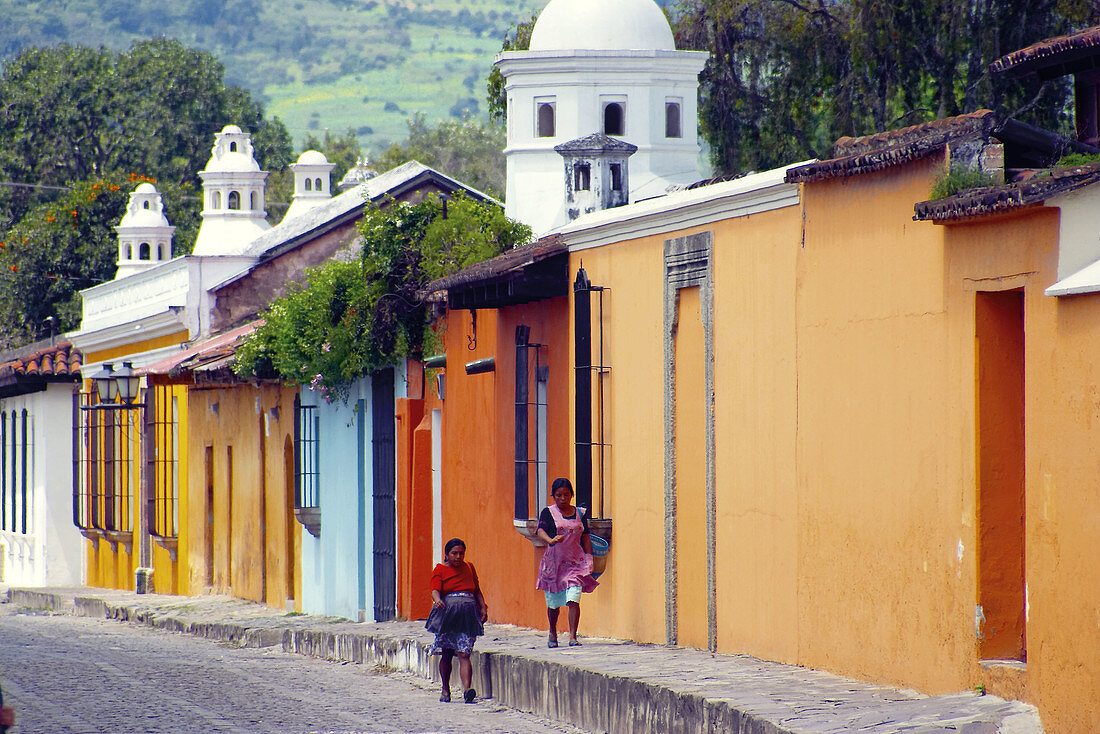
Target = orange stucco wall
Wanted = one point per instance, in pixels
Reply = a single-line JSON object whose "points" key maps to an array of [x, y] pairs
{"points": [[1061, 476], [850, 445], [880, 453], [754, 414], [478, 447]]}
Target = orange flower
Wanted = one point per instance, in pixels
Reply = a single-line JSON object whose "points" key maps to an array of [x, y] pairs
{"points": [[14, 268]]}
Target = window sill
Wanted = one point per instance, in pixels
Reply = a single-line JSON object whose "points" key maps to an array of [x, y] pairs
{"points": [[310, 519]]}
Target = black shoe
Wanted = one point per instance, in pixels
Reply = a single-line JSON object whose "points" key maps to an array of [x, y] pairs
{"points": [[469, 695], [445, 697]]}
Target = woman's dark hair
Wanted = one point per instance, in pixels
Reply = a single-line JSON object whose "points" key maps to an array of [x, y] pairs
{"points": [[452, 543], [559, 483]]}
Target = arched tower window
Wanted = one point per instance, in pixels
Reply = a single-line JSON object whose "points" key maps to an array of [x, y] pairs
{"points": [[252, 201], [317, 185], [143, 251], [128, 252], [672, 120], [232, 147], [613, 118], [546, 120], [145, 204], [234, 200], [616, 176], [309, 185], [216, 200], [160, 251]]}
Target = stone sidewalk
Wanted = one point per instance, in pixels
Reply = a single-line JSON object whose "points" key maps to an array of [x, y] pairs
{"points": [[603, 685]]}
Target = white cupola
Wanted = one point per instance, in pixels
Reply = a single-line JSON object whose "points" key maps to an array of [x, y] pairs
{"points": [[596, 174], [233, 196], [312, 174], [361, 172], [609, 67], [144, 235]]}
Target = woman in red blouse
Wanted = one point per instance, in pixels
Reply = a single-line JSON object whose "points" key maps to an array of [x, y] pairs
{"points": [[458, 616]]}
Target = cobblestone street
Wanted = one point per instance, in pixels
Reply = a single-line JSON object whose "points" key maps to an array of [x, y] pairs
{"points": [[67, 674]]}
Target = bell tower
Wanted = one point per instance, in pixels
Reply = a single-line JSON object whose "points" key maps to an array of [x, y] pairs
{"points": [[609, 68], [232, 194], [144, 235]]}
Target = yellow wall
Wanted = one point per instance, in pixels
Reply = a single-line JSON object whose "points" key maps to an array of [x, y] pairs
{"points": [[630, 600], [847, 444], [121, 353], [1062, 503], [882, 594], [237, 439], [112, 565]]}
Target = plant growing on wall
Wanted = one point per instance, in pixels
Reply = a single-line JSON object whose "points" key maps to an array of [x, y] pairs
{"points": [[349, 318]]}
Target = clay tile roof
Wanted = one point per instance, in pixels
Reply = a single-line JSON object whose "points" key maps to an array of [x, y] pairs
{"points": [[516, 259], [60, 360], [1008, 197], [1051, 52], [529, 273], [855, 156]]}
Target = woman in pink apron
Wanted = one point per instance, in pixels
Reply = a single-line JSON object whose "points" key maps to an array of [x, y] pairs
{"points": [[566, 568]]}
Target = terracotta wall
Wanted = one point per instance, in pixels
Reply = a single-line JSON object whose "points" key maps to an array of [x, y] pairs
{"points": [[478, 447]]}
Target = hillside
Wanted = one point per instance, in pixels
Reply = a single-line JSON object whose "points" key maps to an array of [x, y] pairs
{"points": [[317, 64]]}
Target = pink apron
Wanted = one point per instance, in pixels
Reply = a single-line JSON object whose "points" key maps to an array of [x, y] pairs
{"points": [[566, 564]]}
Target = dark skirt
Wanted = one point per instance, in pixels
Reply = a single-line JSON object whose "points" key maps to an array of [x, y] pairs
{"points": [[457, 625]]}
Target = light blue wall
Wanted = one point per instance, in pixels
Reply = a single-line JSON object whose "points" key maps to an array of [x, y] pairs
{"points": [[337, 568]]}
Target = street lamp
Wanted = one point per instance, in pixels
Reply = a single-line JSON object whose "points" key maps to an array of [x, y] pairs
{"points": [[126, 383], [112, 384], [104, 382]]}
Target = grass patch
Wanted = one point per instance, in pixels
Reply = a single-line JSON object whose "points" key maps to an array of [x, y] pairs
{"points": [[1078, 159], [952, 183]]}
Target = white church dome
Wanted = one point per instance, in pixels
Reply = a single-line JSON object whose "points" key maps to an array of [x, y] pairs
{"points": [[602, 25]]}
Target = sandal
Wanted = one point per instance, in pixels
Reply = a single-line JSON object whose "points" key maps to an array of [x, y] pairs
{"points": [[469, 695], [552, 643], [574, 643], [445, 697]]}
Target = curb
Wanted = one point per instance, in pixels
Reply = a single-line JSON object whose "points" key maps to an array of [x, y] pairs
{"points": [[557, 689]]}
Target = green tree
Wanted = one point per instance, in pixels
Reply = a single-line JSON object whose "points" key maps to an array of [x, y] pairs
{"points": [[72, 117], [61, 247], [350, 318], [468, 150], [71, 113], [786, 78], [517, 39]]}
